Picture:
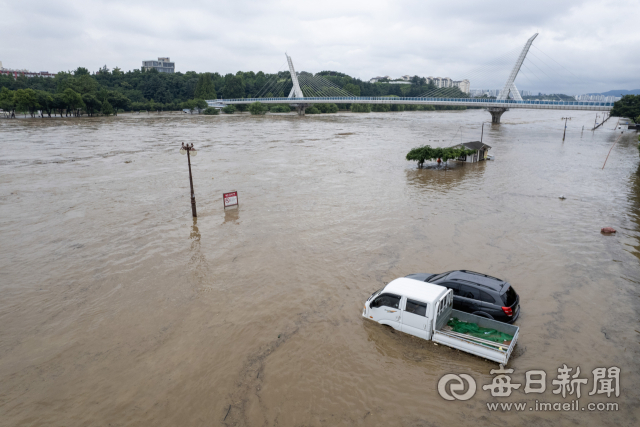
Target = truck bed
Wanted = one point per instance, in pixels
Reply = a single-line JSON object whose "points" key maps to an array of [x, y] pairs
{"points": [[497, 352]]}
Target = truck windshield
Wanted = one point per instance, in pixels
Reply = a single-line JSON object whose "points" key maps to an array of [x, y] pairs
{"points": [[375, 294], [509, 297]]}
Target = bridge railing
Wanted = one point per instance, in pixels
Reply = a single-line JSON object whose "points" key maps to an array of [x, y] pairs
{"points": [[383, 100]]}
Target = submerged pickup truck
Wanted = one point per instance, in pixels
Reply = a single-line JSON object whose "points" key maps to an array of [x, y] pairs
{"points": [[425, 311]]}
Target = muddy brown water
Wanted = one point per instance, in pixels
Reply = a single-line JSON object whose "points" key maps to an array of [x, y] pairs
{"points": [[118, 309]]}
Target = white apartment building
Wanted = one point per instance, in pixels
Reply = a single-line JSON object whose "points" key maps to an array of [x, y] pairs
{"points": [[377, 79], [463, 85], [163, 65]]}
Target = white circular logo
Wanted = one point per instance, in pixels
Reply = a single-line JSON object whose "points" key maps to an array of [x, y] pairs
{"points": [[457, 385]]}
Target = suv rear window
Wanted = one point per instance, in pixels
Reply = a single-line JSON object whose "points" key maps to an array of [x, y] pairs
{"points": [[509, 297], [486, 297]]}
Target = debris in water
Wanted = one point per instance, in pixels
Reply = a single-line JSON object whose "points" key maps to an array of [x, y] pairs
{"points": [[562, 197], [608, 230]]}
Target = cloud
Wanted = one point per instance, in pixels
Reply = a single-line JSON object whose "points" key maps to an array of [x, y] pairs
{"points": [[593, 41]]}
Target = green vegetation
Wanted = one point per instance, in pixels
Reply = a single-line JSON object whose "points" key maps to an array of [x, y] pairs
{"points": [[83, 92], [628, 106], [205, 89], [280, 108], [210, 111], [257, 108], [91, 103], [229, 109], [107, 109], [360, 108], [426, 152]]}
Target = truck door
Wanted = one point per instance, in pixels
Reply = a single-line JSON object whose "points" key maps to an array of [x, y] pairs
{"points": [[385, 309], [414, 318]]}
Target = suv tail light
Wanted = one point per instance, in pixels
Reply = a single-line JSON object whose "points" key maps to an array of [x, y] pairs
{"points": [[507, 311]]}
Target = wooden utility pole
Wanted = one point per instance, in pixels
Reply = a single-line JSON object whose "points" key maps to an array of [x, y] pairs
{"points": [[565, 127], [190, 151]]}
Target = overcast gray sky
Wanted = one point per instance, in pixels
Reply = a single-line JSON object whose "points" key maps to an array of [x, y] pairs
{"points": [[595, 43]]}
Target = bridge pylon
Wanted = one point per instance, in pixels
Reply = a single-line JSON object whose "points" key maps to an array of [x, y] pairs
{"points": [[510, 86], [296, 92]]}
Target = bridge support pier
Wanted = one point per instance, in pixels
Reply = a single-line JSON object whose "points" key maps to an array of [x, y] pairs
{"points": [[496, 113], [300, 109]]}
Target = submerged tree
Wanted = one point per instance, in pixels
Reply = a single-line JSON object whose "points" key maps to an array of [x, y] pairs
{"points": [[426, 152], [257, 108], [107, 109], [229, 109]]}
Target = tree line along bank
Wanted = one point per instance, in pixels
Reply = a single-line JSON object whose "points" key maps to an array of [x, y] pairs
{"points": [[110, 91]]}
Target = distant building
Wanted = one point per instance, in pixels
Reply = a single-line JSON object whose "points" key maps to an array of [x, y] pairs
{"points": [[407, 77], [163, 65], [463, 85], [25, 73], [481, 151], [482, 92], [444, 82], [597, 97], [377, 79]]}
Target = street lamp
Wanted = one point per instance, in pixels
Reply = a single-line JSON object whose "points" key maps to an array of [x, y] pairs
{"points": [[190, 151], [565, 126]]}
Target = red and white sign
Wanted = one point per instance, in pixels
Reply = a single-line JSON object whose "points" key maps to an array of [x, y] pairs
{"points": [[230, 199]]}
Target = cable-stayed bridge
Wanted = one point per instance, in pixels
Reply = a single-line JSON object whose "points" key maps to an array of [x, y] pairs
{"points": [[307, 89]]}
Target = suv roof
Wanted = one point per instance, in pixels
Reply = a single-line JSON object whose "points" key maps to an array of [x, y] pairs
{"points": [[480, 279]]}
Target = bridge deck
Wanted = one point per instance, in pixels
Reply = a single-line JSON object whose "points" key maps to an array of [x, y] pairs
{"points": [[467, 102]]}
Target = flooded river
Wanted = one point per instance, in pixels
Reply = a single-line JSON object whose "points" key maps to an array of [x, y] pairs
{"points": [[118, 309]]}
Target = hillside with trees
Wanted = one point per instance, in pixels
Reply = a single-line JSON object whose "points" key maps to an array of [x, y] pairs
{"points": [[108, 91]]}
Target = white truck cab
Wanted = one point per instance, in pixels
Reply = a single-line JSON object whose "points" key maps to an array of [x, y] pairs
{"points": [[424, 309]]}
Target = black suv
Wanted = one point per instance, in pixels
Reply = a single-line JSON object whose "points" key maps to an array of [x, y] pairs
{"points": [[478, 293]]}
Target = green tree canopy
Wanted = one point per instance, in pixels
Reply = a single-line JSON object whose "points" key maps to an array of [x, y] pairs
{"points": [[426, 152], [73, 99], [229, 109], [257, 108], [91, 103], [361, 108], [7, 102], [107, 109], [628, 106], [26, 100], [353, 89], [234, 86], [45, 102], [205, 89], [279, 108], [211, 111], [201, 103]]}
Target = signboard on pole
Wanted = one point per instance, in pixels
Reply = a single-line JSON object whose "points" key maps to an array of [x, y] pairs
{"points": [[230, 199]]}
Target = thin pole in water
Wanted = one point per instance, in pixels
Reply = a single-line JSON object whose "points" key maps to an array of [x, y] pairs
{"points": [[565, 127], [188, 149], [614, 144]]}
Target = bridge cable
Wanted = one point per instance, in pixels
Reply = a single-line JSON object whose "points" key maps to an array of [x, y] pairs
{"points": [[541, 51]]}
